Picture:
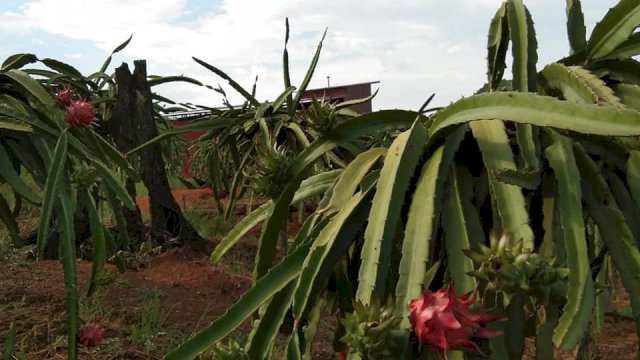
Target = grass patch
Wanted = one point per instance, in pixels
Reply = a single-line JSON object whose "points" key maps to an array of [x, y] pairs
{"points": [[13, 305], [152, 318], [6, 246], [209, 223], [92, 308]]}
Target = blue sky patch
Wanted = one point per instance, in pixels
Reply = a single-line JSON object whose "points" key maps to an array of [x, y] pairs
{"points": [[81, 54], [11, 5], [193, 9]]}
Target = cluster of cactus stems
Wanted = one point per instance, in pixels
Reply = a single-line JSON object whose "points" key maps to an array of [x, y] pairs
{"points": [[84, 175], [536, 158], [553, 156], [273, 170], [47, 127], [372, 330], [506, 267], [321, 115]]}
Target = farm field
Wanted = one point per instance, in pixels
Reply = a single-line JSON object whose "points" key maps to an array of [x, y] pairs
{"points": [[505, 225], [158, 301], [180, 291]]}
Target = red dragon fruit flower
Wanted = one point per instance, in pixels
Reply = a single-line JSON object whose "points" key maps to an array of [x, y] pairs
{"points": [[91, 334], [65, 97], [80, 113], [444, 321]]}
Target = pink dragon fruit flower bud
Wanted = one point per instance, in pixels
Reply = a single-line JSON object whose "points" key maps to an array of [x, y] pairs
{"points": [[91, 334], [444, 321], [80, 113], [65, 97]]}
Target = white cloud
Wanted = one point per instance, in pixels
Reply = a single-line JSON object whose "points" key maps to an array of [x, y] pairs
{"points": [[15, 22], [414, 47]]}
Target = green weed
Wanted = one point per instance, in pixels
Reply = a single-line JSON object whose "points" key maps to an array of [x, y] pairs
{"points": [[122, 282], [152, 318], [92, 308], [208, 223], [6, 246]]}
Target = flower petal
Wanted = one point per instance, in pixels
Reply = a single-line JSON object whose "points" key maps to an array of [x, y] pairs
{"points": [[446, 320]]}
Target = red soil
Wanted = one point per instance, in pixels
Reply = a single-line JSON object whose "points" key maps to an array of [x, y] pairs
{"points": [[187, 199]]}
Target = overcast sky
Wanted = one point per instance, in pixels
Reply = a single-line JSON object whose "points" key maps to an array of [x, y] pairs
{"points": [[413, 47]]}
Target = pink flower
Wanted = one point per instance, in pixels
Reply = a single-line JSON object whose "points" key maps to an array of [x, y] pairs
{"points": [[444, 321], [91, 334], [79, 113]]}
